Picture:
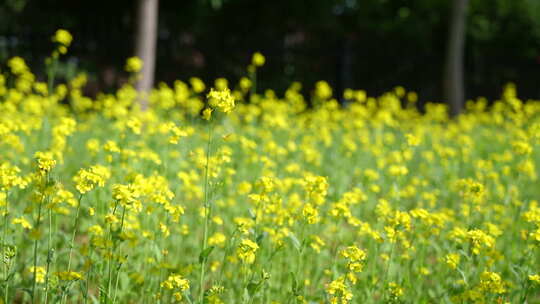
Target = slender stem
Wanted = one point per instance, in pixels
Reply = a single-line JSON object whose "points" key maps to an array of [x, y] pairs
{"points": [[75, 228], [524, 297], [253, 89], [116, 283], [143, 270], [110, 257], [163, 257], [159, 284], [245, 281], [118, 270], [38, 223], [230, 245], [6, 294], [385, 275], [299, 259], [302, 247], [88, 273], [207, 210], [4, 248], [72, 242], [91, 267], [49, 257]]}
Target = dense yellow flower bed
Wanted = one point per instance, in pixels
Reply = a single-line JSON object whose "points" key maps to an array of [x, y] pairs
{"points": [[209, 197]]}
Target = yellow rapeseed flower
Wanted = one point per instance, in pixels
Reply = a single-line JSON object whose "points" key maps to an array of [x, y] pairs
{"points": [[221, 100], [246, 251], [63, 37], [45, 162], [133, 64], [21, 221], [535, 278], [174, 281], [197, 84], [207, 114], [338, 291], [69, 275], [452, 260], [39, 273], [87, 179], [17, 65], [258, 59], [125, 194]]}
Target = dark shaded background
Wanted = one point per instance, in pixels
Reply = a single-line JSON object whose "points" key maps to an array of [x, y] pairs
{"points": [[364, 44]]}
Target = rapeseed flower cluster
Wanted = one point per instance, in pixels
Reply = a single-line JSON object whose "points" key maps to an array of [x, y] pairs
{"points": [[177, 284], [246, 251], [88, 179], [63, 38], [221, 100]]}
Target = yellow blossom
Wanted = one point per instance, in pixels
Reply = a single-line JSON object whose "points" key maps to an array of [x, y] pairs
{"points": [[69, 275], [22, 221], [258, 59], [207, 113], [221, 100], [133, 64], [63, 37], [39, 272], [246, 251]]}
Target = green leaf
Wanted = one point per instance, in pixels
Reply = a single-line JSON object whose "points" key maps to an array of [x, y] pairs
{"points": [[294, 283], [253, 287], [295, 241], [205, 253], [259, 238]]}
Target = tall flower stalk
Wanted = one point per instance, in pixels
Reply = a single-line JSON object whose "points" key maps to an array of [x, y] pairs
{"points": [[224, 102], [45, 163], [5, 249], [207, 210]]}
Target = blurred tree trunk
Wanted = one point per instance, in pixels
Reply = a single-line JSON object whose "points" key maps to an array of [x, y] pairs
{"points": [[454, 82], [344, 67], [145, 46]]}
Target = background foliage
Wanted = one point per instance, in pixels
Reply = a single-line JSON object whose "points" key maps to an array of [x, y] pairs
{"points": [[369, 44]]}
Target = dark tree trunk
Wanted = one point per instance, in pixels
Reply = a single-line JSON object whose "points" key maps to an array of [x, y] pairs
{"points": [[344, 67], [145, 46], [454, 91]]}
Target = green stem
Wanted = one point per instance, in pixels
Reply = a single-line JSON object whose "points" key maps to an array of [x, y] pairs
{"points": [[74, 234], [143, 270], [230, 245], [120, 264], [253, 89], [162, 261], [206, 214], [4, 248], [302, 247], [110, 257], [385, 277], [6, 294], [159, 284], [245, 282], [116, 283], [524, 297], [72, 242], [49, 257], [38, 223], [88, 273]]}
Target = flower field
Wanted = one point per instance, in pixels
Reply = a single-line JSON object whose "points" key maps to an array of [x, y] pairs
{"points": [[226, 193]]}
